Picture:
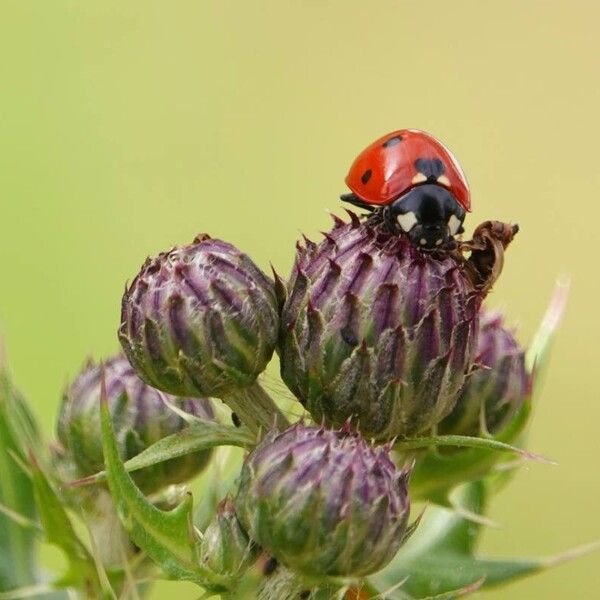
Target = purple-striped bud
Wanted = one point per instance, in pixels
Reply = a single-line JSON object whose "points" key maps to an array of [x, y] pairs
{"points": [[140, 416], [324, 502], [375, 330], [200, 320], [496, 390]]}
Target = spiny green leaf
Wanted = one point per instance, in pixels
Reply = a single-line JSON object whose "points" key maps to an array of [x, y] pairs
{"points": [[200, 435], [17, 557], [536, 362], [436, 474], [539, 349], [55, 520], [399, 594], [465, 441], [166, 536], [58, 528], [441, 556]]}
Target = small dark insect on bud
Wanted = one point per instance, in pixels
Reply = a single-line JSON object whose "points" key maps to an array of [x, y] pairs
{"points": [[235, 420], [270, 566]]}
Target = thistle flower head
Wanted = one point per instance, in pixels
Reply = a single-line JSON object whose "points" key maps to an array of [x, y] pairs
{"points": [[324, 502], [498, 388], [375, 330], [140, 417], [199, 320]]}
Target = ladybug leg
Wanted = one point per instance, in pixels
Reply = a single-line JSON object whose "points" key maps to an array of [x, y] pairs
{"points": [[356, 201], [389, 219]]}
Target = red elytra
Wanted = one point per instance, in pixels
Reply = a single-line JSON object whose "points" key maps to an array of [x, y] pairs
{"points": [[388, 168]]}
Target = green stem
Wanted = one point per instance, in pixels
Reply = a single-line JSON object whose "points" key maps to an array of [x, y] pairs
{"points": [[256, 409]]}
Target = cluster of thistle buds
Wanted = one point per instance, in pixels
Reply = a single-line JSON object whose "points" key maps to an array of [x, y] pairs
{"points": [[379, 340], [383, 343]]}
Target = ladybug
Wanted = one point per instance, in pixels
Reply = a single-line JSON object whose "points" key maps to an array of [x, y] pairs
{"points": [[417, 185]]}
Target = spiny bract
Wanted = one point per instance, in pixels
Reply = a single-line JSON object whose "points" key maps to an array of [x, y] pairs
{"points": [[493, 392], [375, 330], [201, 319], [324, 502]]}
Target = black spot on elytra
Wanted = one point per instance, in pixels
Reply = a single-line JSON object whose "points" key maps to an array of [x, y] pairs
{"points": [[366, 176], [432, 168], [392, 141]]}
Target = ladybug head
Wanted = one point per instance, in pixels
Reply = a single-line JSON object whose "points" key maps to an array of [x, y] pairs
{"points": [[429, 214]]}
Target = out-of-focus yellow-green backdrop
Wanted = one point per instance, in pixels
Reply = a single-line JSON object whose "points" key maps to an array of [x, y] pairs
{"points": [[126, 127]]}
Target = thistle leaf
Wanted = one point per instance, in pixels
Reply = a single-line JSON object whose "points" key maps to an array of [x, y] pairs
{"points": [[167, 537], [539, 349], [54, 519], [17, 558], [436, 474], [59, 531], [441, 556], [200, 435], [466, 441]]}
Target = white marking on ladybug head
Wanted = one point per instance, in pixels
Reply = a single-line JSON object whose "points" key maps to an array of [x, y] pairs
{"points": [[453, 224], [443, 180], [439, 242], [419, 178], [423, 241], [407, 221]]}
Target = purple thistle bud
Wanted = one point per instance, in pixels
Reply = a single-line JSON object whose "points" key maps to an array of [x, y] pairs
{"points": [[375, 330], [140, 416], [498, 388], [324, 502], [201, 319]]}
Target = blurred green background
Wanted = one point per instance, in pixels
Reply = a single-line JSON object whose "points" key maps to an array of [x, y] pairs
{"points": [[127, 127]]}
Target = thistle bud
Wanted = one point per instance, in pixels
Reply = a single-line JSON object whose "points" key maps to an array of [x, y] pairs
{"points": [[497, 389], [226, 548], [324, 502], [201, 320], [375, 330], [140, 417]]}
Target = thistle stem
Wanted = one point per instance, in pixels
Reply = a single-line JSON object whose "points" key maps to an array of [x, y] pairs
{"points": [[256, 409]]}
